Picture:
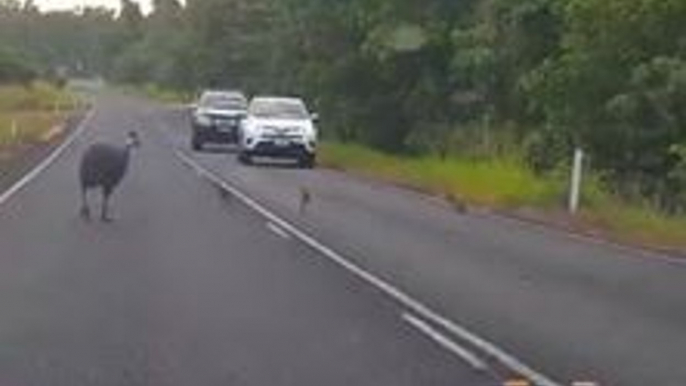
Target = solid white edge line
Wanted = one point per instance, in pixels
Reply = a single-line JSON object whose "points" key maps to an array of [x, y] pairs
{"points": [[482, 344], [445, 342], [278, 231], [43, 165]]}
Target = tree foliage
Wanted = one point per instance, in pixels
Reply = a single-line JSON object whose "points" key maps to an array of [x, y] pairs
{"points": [[14, 69]]}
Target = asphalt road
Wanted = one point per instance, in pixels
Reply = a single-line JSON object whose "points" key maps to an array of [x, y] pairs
{"points": [[192, 286], [188, 287], [573, 309]]}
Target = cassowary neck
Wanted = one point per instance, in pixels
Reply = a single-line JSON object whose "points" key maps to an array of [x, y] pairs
{"points": [[129, 149]]}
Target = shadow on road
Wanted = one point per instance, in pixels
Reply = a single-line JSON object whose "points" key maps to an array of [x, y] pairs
{"points": [[218, 149]]}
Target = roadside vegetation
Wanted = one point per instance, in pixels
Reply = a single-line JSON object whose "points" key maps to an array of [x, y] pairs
{"points": [[30, 114], [509, 185], [158, 93], [162, 94], [30, 110], [482, 100], [505, 183]]}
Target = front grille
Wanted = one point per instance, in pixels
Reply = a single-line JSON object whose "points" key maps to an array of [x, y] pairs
{"points": [[282, 136], [282, 131], [224, 121], [270, 149]]}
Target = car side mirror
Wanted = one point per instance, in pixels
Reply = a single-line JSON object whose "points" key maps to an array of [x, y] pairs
{"points": [[314, 117]]}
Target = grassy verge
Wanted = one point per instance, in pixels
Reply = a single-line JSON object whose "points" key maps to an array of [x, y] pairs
{"points": [[508, 184], [160, 94], [499, 183], [37, 97], [28, 114], [638, 224]]}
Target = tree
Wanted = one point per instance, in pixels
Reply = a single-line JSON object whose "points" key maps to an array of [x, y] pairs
{"points": [[131, 20], [432, 76], [614, 86], [15, 70]]}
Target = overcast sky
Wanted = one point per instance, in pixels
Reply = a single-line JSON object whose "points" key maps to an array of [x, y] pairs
{"points": [[67, 4]]}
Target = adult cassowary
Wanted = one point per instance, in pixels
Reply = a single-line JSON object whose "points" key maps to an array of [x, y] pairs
{"points": [[102, 167]]}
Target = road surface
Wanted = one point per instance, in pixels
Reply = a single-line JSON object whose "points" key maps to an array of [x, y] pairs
{"points": [[187, 287], [370, 285], [572, 308]]}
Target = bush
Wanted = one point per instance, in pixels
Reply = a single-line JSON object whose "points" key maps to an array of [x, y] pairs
{"points": [[36, 96], [14, 70]]}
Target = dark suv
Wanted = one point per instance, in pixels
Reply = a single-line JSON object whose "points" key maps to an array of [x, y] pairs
{"points": [[217, 117]]}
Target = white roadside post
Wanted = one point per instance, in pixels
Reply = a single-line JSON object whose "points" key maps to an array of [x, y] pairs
{"points": [[14, 131], [575, 183]]}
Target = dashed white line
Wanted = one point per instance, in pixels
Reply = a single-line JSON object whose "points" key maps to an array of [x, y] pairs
{"points": [[30, 176], [448, 344], [463, 333], [278, 231]]}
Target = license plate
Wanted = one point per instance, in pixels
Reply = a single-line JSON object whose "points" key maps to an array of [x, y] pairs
{"points": [[281, 142]]}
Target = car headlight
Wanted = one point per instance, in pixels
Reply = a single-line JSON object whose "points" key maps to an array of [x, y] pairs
{"points": [[256, 130], [299, 130], [203, 120]]}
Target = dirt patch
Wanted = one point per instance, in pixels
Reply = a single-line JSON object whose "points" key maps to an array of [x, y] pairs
{"points": [[18, 160]]}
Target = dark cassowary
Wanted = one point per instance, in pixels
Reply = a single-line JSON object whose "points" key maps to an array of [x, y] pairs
{"points": [[103, 166]]}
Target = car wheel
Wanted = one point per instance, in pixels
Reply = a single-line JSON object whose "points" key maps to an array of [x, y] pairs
{"points": [[196, 143], [307, 161], [244, 158]]}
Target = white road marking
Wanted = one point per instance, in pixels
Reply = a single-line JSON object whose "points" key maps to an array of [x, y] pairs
{"points": [[41, 167], [475, 340], [280, 232], [445, 342]]}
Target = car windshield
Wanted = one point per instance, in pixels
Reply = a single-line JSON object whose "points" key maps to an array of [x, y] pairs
{"points": [[223, 102], [283, 109]]}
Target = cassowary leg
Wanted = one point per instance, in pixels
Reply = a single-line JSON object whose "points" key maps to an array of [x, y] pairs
{"points": [[85, 209], [104, 212]]}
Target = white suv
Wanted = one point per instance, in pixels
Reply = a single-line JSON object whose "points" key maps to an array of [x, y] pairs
{"points": [[279, 127]]}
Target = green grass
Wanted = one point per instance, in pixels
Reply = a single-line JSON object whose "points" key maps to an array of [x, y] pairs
{"points": [[39, 96], [157, 93], [166, 95], [500, 182], [32, 110], [508, 184], [639, 224]]}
